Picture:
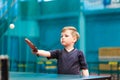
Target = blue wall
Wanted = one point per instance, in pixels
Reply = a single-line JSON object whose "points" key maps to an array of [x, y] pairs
{"points": [[102, 30]]}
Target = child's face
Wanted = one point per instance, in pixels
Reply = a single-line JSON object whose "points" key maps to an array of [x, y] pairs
{"points": [[67, 39]]}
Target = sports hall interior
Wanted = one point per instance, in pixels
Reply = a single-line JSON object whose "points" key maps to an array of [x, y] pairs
{"points": [[41, 21]]}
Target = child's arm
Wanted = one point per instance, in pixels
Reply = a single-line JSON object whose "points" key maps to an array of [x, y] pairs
{"points": [[42, 53], [85, 72]]}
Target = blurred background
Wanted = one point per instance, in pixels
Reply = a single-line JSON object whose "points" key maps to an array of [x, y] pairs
{"points": [[98, 22]]}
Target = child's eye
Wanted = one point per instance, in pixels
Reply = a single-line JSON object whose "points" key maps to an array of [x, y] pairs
{"points": [[66, 36]]}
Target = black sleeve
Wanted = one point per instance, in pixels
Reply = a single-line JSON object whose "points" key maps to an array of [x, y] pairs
{"points": [[82, 60], [54, 54]]}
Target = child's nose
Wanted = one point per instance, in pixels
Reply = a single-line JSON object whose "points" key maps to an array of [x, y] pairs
{"points": [[63, 37]]}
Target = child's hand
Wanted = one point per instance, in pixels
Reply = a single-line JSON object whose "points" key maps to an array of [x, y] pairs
{"points": [[35, 52]]}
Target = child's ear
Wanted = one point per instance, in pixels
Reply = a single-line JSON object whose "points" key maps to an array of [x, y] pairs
{"points": [[75, 39]]}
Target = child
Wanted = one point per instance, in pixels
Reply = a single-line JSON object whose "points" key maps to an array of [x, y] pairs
{"points": [[69, 59]]}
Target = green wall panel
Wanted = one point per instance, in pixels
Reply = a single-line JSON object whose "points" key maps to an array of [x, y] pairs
{"points": [[102, 30], [59, 6]]}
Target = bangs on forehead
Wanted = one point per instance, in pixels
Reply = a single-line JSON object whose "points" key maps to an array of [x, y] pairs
{"points": [[69, 28], [73, 31]]}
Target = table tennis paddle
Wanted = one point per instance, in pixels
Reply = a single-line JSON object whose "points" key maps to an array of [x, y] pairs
{"points": [[31, 45]]}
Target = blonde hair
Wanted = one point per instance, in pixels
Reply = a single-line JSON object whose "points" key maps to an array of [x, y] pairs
{"points": [[73, 29]]}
